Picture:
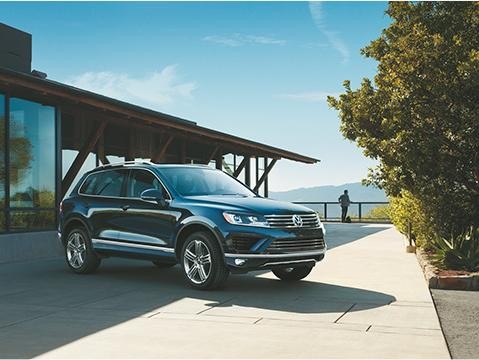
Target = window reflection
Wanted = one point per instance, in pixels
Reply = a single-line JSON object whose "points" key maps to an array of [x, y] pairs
{"points": [[32, 154], [31, 220]]}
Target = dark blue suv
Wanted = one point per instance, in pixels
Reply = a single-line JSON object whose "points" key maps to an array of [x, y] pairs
{"points": [[203, 219]]}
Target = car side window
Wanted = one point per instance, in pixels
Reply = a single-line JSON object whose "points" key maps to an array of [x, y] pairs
{"points": [[141, 180], [104, 183]]}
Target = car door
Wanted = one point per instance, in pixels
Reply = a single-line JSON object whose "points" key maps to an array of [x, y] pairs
{"points": [[103, 192], [146, 222]]}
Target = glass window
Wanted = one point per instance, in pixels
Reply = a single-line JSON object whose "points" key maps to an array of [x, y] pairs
{"points": [[104, 183], [32, 220], [142, 180], [2, 162], [2, 150], [203, 181], [32, 155]]}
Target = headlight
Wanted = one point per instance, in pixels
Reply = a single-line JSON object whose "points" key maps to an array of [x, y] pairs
{"points": [[245, 219]]}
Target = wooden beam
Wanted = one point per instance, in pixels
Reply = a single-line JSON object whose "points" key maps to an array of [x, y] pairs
{"points": [[100, 152], [161, 153], [130, 154], [240, 168], [265, 175], [219, 161], [212, 154], [87, 148], [225, 147], [183, 151]]}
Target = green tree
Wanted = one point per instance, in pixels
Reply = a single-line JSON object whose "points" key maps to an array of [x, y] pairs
{"points": [[420, 116]]}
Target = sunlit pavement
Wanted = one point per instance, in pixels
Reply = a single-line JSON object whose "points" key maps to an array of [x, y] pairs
{"points": [[366, 299]]}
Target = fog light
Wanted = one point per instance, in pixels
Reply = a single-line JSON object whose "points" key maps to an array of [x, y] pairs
{"points": [[239, 262]]}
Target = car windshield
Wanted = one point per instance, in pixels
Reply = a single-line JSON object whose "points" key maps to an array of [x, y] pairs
{"points": [[198, 181]]}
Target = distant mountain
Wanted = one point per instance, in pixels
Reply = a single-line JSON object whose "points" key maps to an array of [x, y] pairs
{"points": [[357, 192]]}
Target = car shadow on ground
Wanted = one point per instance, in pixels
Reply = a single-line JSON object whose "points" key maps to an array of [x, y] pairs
{"points": [[49, 307], [338, 234]]}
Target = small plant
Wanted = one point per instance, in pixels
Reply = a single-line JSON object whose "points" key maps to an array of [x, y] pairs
{"points": [[460, 252]]}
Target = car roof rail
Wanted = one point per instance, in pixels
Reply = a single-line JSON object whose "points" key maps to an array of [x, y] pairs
{"points": [[141, 162], [123, 163]]}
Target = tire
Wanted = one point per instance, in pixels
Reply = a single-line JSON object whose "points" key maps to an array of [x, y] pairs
{"points": [[79, 253], [292, 274], [197, 249], [163, 265]]}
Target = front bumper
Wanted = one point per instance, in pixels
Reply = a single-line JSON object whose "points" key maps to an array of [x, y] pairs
{"points": [[241, 263]]}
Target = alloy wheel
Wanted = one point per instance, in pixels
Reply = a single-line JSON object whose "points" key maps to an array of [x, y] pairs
{"points": [[76, 250], [197, 261]]}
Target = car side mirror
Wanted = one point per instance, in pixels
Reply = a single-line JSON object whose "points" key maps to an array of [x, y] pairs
{"points": [[154, 195]]}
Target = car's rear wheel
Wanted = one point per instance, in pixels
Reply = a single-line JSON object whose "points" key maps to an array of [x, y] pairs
{"points": [[202, 262], [163, 265], [293, 273], [79, 253]]}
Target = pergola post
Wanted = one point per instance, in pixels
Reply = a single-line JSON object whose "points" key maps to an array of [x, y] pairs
{"points": [[81, 157], [265, 175], [266, 181], [100, 150], [247, 171], [219, 161]]}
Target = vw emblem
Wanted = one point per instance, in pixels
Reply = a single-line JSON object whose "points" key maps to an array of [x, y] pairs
{"points": [[297, 220]]}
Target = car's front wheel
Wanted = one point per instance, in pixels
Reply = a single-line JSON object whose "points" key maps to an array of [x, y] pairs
{"points": [[202, 262], [79, 253], [293, 273]]}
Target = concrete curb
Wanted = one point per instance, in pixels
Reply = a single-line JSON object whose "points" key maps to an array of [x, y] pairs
{"points": [[434, 281]]}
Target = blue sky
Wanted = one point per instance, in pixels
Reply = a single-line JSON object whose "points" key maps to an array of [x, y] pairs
{"points": [[258, 70]]}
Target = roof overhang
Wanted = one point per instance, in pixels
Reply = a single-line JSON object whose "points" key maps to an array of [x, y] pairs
{"points": [[25, 83]]}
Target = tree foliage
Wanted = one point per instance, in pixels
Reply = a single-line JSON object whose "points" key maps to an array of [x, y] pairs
{"points": [[420, 116]]}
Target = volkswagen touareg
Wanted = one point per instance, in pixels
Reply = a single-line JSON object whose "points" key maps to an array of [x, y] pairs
{"points": [[202, 218]]}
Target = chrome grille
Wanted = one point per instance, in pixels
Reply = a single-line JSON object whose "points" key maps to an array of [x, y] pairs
{"points": [[286, 221], [297, 244]]}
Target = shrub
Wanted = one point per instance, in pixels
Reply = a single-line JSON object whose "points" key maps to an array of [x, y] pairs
{"points": [[405, 209], [380, 212], [458, 252]]}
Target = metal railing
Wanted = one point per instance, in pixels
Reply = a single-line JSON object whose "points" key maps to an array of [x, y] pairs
{"points": [[359, 211]]}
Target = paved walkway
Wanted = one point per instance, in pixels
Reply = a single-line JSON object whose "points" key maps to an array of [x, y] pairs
{"points": [[368, 299]]}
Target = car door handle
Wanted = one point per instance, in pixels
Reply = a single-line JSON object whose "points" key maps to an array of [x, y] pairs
{"points": [[126, 207]]}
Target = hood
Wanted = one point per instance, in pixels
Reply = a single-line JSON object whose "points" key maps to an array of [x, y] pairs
{"points": [[256, 205]]}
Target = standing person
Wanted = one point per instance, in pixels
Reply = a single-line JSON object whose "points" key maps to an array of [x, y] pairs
{"points": [[344, 202]]}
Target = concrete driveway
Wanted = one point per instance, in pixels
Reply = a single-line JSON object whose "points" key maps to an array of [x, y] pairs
{"points": [[367, 299]]}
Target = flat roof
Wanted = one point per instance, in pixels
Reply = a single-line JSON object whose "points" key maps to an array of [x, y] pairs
{"points": [[46, 87]]}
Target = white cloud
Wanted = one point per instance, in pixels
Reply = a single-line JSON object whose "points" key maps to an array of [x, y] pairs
{"points": [[152, 90], [241, 39], [309, 96], [223, 40], [315, 8]]}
